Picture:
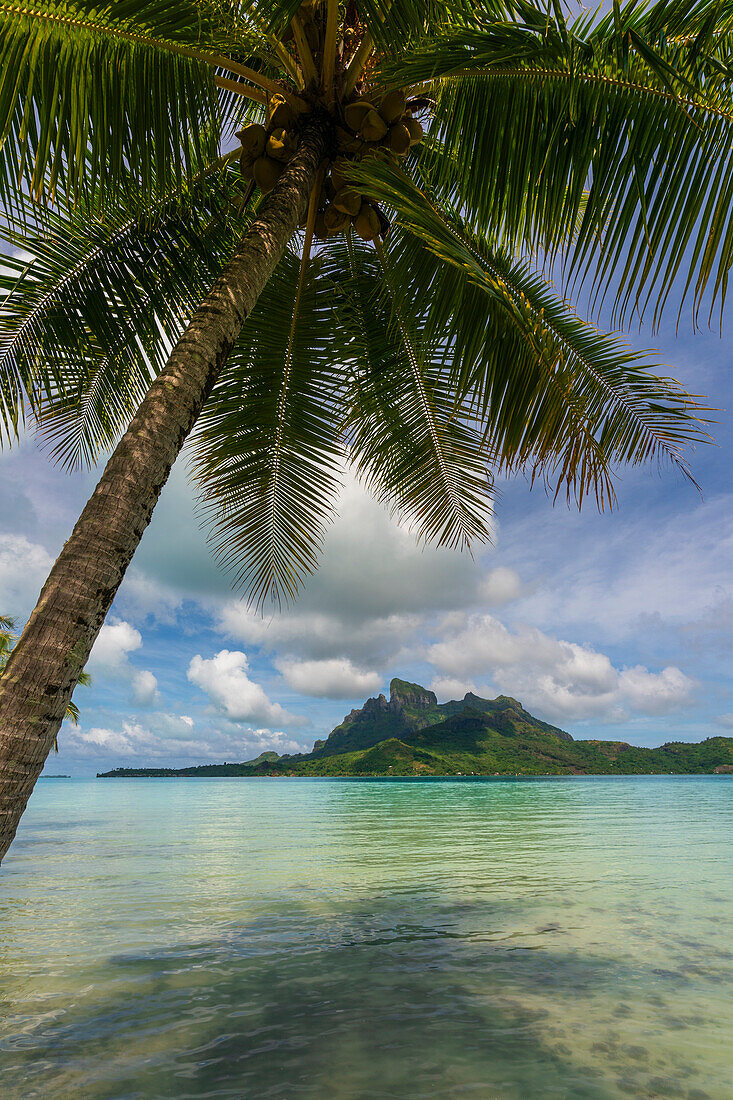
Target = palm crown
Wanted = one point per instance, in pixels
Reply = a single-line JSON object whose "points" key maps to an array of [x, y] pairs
{"points": [[406, 328]]}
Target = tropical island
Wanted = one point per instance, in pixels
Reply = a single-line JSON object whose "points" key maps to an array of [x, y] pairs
{"points": [[412, 734]]}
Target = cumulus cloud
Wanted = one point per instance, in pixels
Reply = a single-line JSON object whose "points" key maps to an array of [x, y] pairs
{"points": [[267, 740], [374, 591], [560, 679], [24, 566], [224, 679], [300, 633], [167, 739], [164, 734], [448, 687], [109, 659], [114, 642], [145, 689], [654, 693], [500, 586], [337, 678]]}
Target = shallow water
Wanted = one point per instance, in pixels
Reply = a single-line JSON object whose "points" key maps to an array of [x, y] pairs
{"points": [[349, 940]]}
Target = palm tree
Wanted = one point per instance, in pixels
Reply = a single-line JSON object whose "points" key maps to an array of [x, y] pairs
{"points": [[404, 169]]}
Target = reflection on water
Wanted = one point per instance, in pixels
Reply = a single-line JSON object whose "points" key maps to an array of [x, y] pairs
{"points": [[345, 941]]}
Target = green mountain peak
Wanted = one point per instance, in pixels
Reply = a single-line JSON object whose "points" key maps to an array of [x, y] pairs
{"points": [[411, 695], [412, 734]]}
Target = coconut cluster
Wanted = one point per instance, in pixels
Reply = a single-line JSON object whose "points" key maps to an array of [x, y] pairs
{"points": [[369, 126], [366, 126], [341, 205], [388, 124], [267, 150]]}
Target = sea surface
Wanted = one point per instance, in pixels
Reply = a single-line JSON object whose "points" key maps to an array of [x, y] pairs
{"points": [[331, 940]]}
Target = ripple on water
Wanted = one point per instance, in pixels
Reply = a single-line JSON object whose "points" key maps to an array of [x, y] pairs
{"points": [[339, 941]]}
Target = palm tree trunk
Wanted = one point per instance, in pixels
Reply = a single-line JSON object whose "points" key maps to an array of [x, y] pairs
{"points": [[44, 667]]}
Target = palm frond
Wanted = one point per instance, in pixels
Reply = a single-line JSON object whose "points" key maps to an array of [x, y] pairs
{"points": [[390, 22], [403, 437], [549, 390], [91, 98], [535, 121], [266, 456], [92, 304]]}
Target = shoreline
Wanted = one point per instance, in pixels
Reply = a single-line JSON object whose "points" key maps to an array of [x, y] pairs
{"points": [[426, 778]]}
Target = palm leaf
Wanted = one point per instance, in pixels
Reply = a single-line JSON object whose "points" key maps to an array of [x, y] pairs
{"points": [[403, 436], [267, 455], [549, 390], [91, 98], [535, 122], [88, 315]]}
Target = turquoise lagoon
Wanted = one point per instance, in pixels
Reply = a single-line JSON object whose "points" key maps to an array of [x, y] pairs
{"points": [[338, 940]]}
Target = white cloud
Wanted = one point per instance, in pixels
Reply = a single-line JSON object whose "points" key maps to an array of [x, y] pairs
{"points": [[630, 576], [654, 693], [500, 586], [447, 688], [24, 566], [374, 591], [133, 739], [315, 635], [224, 679], [109, 659], [337, 678], [562, 680], [267, 740], [166, 738], [114, 642], [143, 597], [145, 689]]}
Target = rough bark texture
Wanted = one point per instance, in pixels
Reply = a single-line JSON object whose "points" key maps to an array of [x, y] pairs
{"points": [[44, 667]]}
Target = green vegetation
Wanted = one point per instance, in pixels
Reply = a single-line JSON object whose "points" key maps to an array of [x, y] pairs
{"points": [[412, 735]]}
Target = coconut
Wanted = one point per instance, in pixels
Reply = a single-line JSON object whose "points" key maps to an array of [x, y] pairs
{"points": [[415, 128], [348, 200], [334, 219], [398, 139], [267, 172], [366, 223], [280, 145], [393, 106], [282, 115], [373, 128], [253, 139], [337, 178], [356, 112], [246, 161]]}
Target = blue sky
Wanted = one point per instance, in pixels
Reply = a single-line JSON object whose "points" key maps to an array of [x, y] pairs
{"points": [[612, 626]]}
